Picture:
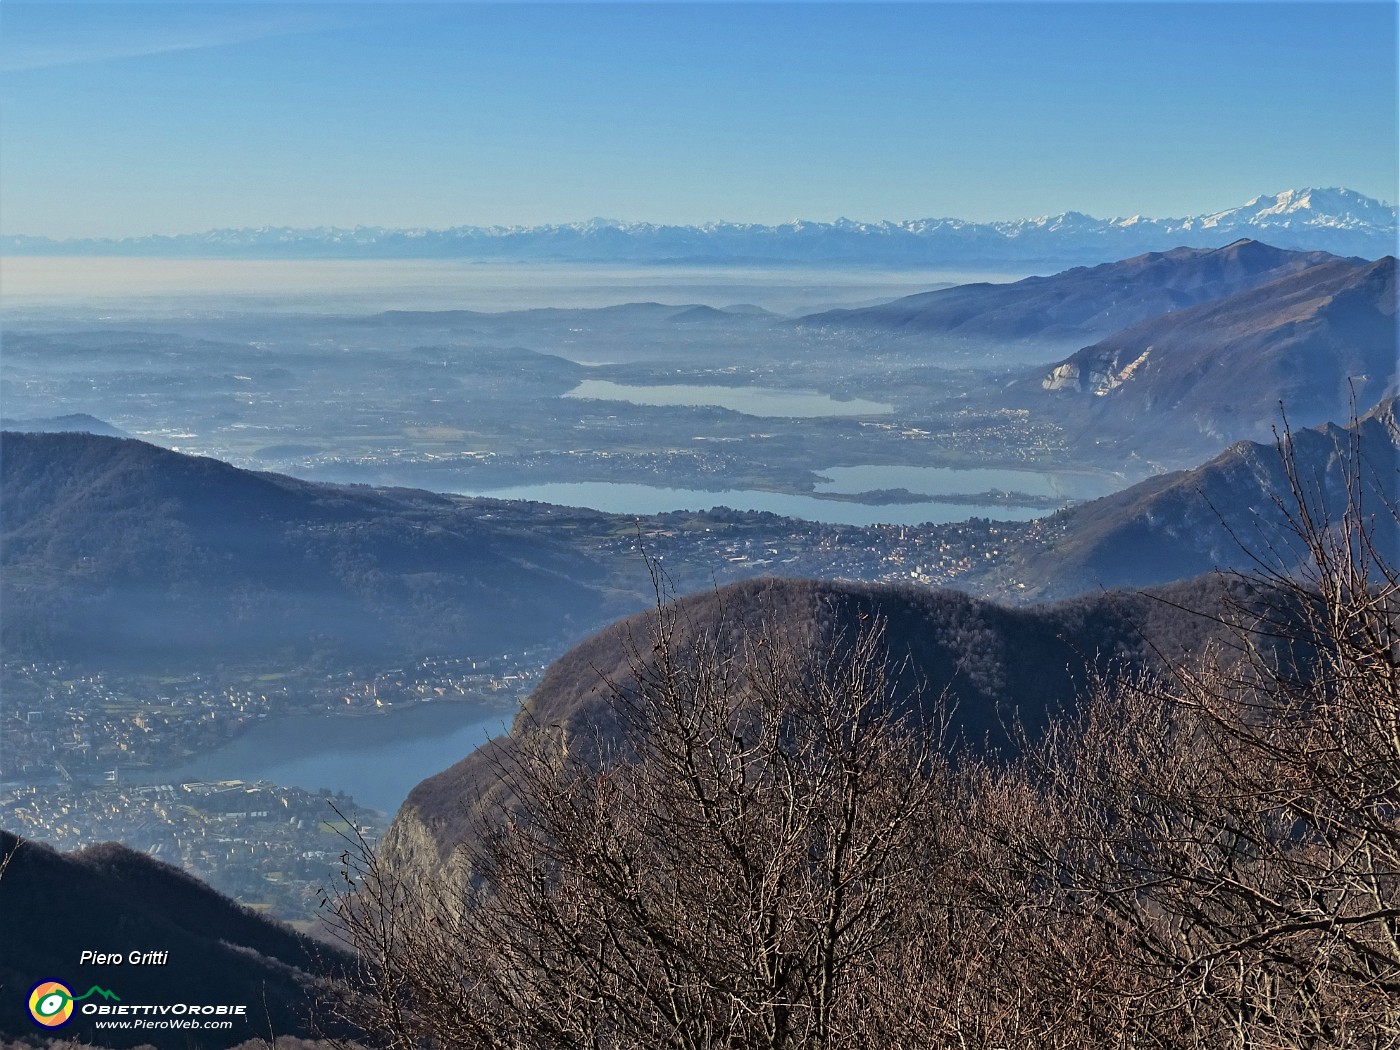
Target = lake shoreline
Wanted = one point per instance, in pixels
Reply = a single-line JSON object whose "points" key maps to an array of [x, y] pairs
{"points": [[364, 755]]}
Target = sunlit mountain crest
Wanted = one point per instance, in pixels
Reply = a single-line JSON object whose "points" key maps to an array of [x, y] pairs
{"points": [[1326, 207]]}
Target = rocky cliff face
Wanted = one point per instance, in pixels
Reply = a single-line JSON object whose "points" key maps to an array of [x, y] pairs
{"points": [[416, 845], [1094, 374]]}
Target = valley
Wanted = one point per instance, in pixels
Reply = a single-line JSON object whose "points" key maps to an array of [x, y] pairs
{"points": [[686, 526], [266, 571]]}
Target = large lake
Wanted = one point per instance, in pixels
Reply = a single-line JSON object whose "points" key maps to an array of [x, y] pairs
{"points": [[751, 400], [616, 497], [948, 481], [376, 759]]}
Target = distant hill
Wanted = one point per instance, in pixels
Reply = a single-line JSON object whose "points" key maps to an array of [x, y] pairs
{"points": [[999, 665], [109, 898], [78, 423], [1084, 302], [120, 551], [705, 313], [1334, 220], [636, 311], [1220, 515], [1220, 369]]}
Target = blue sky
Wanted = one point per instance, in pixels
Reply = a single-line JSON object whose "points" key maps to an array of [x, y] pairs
{"points": [[124, 119]]}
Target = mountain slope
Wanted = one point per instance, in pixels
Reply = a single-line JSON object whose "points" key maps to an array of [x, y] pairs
{"points": [[118, 550], [1306, 340], [1219, 515], [1085, 301], [111, 899], [999, 665]]}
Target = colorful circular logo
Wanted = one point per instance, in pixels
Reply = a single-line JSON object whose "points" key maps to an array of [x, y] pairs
{"points": [[50, 1003]]}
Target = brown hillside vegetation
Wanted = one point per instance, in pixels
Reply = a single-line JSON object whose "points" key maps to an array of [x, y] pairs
{"points": [[986, 667], [774, 840]]}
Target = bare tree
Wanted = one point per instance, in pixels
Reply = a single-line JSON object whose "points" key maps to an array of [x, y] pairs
{"points": [[1230, 829], [742, 861]]}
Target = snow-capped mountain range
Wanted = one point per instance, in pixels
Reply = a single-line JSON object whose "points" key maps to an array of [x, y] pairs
{"points": [[1335, 220]]}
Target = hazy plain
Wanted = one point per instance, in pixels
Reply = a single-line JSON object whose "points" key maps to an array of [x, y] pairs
{"points": [[579, 384], [84, 286]]}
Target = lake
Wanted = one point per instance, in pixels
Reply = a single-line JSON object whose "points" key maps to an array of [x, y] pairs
{"points": [[376, 759], [616, 497], [953, 481], [751, 400]]}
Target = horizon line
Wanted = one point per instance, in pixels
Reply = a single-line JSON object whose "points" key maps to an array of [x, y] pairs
{"points": [[664, 224]]}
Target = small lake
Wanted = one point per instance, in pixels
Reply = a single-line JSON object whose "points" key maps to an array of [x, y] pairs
{"points": [[750, 400], [954, 481], [616, 497], [376, 759]]}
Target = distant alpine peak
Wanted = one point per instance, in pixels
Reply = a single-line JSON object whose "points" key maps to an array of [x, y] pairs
{"points": [[1334, 206], [1330, 199]]}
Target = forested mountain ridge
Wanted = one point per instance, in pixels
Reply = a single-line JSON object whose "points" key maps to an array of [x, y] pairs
{"points": [[118, 550], [1223, 514], [1000, 667]]}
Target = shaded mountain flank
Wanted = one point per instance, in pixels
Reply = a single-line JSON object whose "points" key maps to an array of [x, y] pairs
{"points": [[1085, 302], [998, 665], [119, 551], [1221, 515], [109, 898], [1311, 340]]}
